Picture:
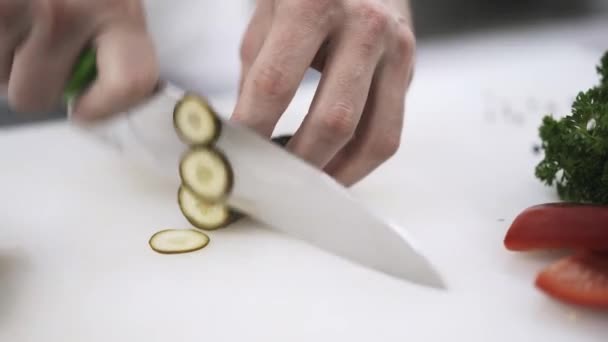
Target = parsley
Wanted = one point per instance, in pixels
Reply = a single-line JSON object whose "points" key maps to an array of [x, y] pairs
{"points": [[576, 146]]}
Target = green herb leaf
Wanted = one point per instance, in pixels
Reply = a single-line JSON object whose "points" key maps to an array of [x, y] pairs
{"points": [[576, 146]]}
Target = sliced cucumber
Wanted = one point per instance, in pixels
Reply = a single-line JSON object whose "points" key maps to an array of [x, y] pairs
{"points": [[202, 215], [207, 173], [195, 121], [175, 241]]}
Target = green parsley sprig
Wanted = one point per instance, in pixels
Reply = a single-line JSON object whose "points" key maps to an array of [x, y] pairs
{"points": [[576, 146]]}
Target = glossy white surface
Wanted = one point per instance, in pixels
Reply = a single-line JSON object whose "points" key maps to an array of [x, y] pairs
{"points": [[75, 221]]}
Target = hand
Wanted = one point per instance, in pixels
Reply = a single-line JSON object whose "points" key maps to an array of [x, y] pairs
{"points": [[364, 49], [41, 40]]}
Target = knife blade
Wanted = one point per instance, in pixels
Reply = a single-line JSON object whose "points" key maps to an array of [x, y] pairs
{"points": [[269, 184]]}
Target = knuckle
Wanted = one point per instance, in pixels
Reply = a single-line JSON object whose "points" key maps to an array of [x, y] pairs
{"points": [[68, 17], [60, 17], [374, 18], [132, 9], [273, 82], [338, 124], [368, 47], [405, 41], [386, 146]]}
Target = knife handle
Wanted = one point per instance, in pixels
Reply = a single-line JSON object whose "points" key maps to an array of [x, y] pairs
{"points": [[84, 73]]}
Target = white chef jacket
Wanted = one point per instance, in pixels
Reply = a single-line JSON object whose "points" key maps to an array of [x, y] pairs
{"points": [[198, 42]]}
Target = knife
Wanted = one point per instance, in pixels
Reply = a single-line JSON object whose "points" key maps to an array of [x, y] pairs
{"points": [[267, 183]]}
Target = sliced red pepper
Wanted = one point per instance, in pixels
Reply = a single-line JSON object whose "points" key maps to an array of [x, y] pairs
{"points": [[581, 279], [559, 226]]}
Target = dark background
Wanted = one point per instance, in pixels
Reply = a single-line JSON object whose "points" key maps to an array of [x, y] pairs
{"points": [[441, 18], [448, 17]]}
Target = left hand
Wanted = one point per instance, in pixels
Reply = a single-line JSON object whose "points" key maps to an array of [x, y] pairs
{"points": [[41, 40], [364, 50]]}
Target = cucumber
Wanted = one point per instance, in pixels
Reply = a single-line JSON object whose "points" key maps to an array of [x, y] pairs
{"points": [[207, 173], [203, 215], [176, 241], [195, 122]]}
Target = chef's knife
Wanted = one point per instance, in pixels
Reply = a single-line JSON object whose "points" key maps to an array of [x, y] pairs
{"points": [[270, 184]]}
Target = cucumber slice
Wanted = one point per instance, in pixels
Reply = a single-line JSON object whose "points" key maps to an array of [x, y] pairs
{"points": [[196, 123], [207, 173], [175, 241], [202, 215], [84, 73]]}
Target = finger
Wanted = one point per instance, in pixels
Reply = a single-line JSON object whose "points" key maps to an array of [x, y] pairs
{"points": [[280, 66], [379, 135], [128, 72], [340, 98], [14, 24], [254, 37], [57, 34]]}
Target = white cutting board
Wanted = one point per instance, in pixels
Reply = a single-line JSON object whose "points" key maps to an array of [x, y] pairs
{"points": [[75, 220]]}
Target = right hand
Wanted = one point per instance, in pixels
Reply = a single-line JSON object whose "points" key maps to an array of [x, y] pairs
{"points": [[41, 40]]}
